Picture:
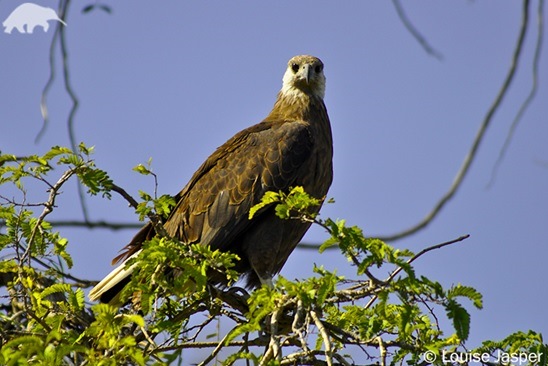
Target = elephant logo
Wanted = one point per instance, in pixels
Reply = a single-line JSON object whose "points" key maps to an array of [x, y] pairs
{"points": [[31, 15]]}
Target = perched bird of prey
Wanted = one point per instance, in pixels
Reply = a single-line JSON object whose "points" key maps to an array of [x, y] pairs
{"points": [[291, 147]]}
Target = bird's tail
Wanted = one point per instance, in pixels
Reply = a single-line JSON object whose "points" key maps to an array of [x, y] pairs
{"points": [[108, 290]]}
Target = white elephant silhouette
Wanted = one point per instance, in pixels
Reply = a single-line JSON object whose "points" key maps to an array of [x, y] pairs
{"points": [[31, 15]]}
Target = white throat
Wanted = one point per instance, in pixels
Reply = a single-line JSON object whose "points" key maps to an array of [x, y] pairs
{"points": [[290, 87]]}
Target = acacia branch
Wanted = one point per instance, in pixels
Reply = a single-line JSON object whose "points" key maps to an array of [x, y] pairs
{"points": [[155, 219], [412, 259], [48, 208], [79, 281], [470, 156]]}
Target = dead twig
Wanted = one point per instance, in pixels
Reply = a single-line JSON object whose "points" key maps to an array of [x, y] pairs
{"points": [[532, 93], [470, 156], [414, 32], [412, 259]]}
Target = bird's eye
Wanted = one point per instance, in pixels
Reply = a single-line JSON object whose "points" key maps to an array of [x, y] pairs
{"points": [[318, 69], [295, 67]]}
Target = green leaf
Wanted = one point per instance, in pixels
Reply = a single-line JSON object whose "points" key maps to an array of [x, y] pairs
{"points": [[56, 288], [468, 292], [77, 299], [460, 318], [141, 169], [268, 199]]}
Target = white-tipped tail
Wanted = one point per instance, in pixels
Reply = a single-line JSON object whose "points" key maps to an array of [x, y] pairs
{"points": [[112, 279]]}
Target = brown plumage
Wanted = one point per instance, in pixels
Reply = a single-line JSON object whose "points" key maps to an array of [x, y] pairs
{"points": [[291, 147]]}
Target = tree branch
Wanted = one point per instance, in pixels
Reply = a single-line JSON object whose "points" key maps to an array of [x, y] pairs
{"points": [[325, 337], [74, 99], [60, 34], [465, 167], [530, 96], [48, 208], [412, 259], [155, 219], [100, 224], [414, 32]]}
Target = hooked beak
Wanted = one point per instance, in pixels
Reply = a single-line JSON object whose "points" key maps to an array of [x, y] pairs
{"points": [[306, 73]]}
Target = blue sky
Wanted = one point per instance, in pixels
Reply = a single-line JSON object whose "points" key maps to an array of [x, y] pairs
{"points": [[174, 80]]}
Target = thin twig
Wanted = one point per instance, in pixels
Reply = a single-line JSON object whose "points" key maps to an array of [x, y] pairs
{"points": [[79, 281], [74, 99], [100, 224], [49, 84], [465, 167], [156, 222], [424, 251], [528, 99], [414, 32], [215, 351], [412, 259]]}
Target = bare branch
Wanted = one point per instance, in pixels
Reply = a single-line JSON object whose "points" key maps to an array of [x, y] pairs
{"points": [[274, 348], [465, 167], [122, 192], [74, 99], [382, 351], [49, 84], [325, 337], [414, 32], [412, 259], [426, 250], [216, 350], [60, 34], [155, 219], [258, 342], [78, 281], [528, 99], [101, 224]]}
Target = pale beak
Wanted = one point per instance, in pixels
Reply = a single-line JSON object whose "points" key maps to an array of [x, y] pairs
{"points": [[306, 73]]}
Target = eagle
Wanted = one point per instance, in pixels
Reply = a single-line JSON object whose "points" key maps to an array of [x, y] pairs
{"points": [[292, 146]]}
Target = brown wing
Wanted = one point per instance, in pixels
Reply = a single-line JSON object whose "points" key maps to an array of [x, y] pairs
{"points": [[213, 207]]}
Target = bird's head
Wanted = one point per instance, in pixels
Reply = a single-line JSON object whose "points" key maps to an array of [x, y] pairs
{"points": [[304, 75]]}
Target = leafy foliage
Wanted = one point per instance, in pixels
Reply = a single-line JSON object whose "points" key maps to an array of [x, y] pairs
{"points": [[324, 319]]}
